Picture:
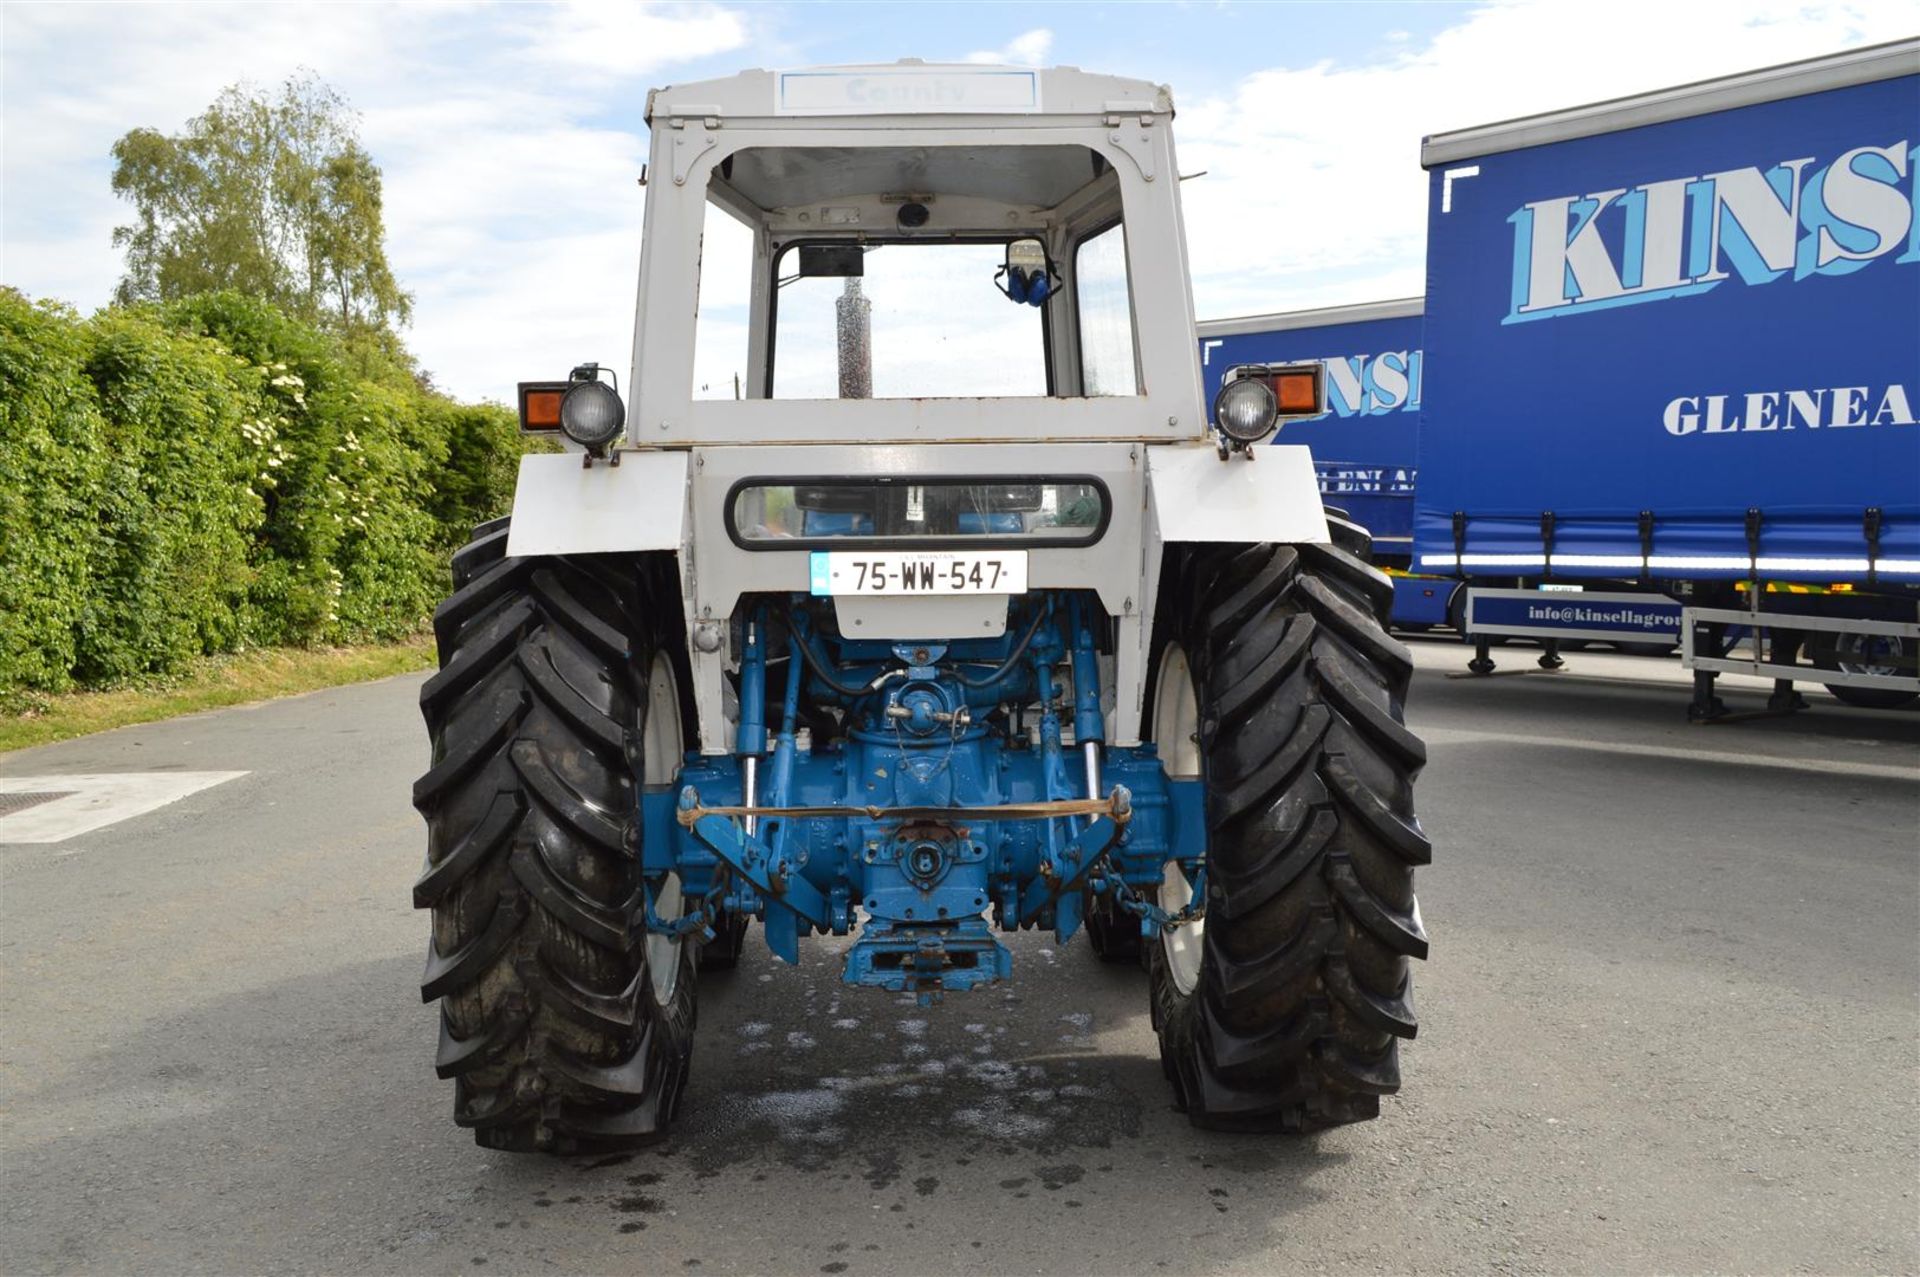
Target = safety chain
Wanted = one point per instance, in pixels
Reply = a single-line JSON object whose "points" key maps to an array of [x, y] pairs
{"points": [[700, 920], [1127, 900]]}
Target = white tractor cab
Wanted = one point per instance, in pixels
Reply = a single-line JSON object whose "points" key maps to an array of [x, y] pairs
{"points": [[918, 597]]}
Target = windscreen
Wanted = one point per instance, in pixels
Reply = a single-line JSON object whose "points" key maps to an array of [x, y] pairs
{"points": [[914, 272], [932, 323]]}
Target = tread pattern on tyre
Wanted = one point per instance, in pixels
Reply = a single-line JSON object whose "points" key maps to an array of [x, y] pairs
{"points": [[1304, 992], [548, 1026]]}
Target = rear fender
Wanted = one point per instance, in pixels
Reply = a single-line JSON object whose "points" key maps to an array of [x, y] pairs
{"points": [[1197, 497], [1194, 498], [563, 507]]}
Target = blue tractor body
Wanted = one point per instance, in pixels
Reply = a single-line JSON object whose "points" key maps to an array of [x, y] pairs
{"points": [[930, 813]]}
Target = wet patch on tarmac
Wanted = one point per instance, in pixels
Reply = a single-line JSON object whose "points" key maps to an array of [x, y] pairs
{"points": [[986, 1090]]}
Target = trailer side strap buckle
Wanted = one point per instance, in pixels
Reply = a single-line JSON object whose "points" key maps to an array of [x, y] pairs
{"points": [[1870, 527]]}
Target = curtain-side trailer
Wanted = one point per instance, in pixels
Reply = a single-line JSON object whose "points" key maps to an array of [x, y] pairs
{"points": [[1365, 447], [1673, 344]]}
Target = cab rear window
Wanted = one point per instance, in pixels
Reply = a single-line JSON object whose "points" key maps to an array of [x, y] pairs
{"points": [[916, 511]]}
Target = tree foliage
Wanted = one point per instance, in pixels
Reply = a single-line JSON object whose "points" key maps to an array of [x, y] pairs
{"points": [[214, 473], [269, 196], [240, 451]]}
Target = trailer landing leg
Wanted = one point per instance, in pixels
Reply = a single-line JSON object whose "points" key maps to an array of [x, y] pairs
{"points": [[1784, 699], [1705, 707]]}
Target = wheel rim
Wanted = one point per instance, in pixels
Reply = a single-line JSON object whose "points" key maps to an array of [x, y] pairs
{"points": [[1176, 731], [1855, 653], [661, 743]]}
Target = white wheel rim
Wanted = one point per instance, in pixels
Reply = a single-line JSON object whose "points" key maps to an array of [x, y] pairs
{"points": [[1181, 944], [661, 744], [1176, 716], [1176, 732]]}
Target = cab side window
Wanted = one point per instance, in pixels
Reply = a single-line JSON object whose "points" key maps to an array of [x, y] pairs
{"points": [[1105, 312]]}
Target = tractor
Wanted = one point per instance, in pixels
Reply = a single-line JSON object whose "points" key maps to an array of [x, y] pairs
{"points": [[911, 592]]}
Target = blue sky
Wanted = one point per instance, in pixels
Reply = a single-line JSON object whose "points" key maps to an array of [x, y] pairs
{"points": [[511, 135]]}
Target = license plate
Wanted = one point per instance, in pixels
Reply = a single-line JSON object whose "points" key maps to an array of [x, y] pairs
{"points": [[920, 572]]}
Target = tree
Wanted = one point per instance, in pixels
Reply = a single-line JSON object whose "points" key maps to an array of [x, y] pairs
{"points": [[269, 196]]}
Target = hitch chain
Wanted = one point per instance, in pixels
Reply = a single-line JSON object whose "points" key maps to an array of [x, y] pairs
{"points": [[700, 920], [1127, 900]]}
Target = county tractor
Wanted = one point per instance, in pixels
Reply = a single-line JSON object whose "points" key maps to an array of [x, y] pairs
{"points": [[907, 589]]}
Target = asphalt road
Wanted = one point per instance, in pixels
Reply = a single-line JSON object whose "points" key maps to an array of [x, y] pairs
{"points": [[1670, 1024]]}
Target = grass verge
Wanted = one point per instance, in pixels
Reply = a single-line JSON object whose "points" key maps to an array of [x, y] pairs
{"points": [[217, 681]]}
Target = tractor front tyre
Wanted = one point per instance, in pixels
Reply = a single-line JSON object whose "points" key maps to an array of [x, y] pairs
{"points": [[1112, 933], [565, 1025], [722, 953], [1282, 1006]]}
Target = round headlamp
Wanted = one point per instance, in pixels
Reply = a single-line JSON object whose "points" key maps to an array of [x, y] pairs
{"points": [[1245, 411], [592, 414]]}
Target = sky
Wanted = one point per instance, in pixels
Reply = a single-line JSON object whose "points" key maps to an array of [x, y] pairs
{"points": [[511, 136]]}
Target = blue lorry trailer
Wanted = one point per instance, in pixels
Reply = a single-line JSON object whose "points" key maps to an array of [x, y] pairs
{"points": [[1673, 344], [1365, 447], [1364, 444]]}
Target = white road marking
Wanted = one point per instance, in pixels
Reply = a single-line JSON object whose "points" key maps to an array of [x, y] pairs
{"points": [[1827, 766], [93, 802]]}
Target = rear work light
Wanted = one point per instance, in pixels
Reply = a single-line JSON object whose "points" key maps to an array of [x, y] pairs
{"points": [[1255, 398]]}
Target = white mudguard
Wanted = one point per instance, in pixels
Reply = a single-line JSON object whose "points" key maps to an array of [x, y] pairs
{"points": [[562, 507], [1272, 496]]}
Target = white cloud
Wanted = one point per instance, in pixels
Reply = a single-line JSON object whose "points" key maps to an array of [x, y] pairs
{"points": [[510, 139], [1029, 48], [625, 40], [1314, 193]]}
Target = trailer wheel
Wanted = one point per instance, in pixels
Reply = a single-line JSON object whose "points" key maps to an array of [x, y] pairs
{"points": [[564, 1025], [1457, 619], [1866, 654], [1282, 1007]]}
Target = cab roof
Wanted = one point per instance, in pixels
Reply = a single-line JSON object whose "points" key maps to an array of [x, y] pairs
{"points": [[1014, 95]]}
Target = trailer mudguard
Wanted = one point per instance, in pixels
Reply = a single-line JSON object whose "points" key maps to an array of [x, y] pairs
{"points": [[1197, 497], [563, 507]]}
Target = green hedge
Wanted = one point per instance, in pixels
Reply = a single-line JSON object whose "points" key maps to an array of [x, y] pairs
{"points": [[212, 474]]}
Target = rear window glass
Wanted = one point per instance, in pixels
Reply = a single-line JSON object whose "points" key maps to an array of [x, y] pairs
{"points": [[788, 514]]}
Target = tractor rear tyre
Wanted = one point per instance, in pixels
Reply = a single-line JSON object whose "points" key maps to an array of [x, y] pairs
{"points": [[564, 1025], [1282, 1007]]}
